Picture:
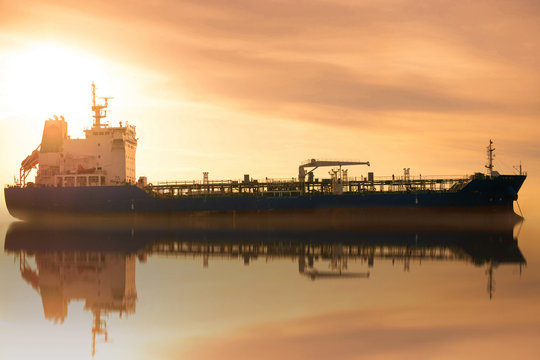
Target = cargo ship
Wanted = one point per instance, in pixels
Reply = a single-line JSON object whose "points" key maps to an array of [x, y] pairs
{"points": [[95, 175]]}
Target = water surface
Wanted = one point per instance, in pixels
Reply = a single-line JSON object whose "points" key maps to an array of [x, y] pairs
{"points": [[112, 293]]}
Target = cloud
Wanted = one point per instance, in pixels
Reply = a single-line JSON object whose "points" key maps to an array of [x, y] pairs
{"points": [[315, 59], [435, 73]]}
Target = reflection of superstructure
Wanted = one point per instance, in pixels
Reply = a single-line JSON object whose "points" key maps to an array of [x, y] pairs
{"points": [[104, 280]]}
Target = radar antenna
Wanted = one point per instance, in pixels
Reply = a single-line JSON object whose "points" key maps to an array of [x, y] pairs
{"points": [[99, 110]]}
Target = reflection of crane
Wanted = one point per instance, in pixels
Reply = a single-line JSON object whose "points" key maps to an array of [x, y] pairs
{"points": [[316, 274], [313, 163], [28, 274], [338, 264]]}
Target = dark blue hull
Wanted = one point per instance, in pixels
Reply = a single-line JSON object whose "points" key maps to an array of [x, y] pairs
{"points": [[26, 203]]}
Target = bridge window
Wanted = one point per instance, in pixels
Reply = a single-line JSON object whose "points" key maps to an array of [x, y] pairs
{"points": [[82, 181], [93, 180], [69, 181]]}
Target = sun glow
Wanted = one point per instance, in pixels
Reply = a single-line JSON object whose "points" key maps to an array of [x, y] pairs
{"points": [[46, 79]]}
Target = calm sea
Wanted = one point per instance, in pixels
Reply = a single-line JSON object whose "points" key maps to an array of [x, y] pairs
{"points": [[127, 293]]}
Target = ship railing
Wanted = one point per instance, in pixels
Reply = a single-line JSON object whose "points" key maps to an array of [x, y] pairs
{"points": [[277, 180], [416, 178], [292, 180], [218, 182], [291, 187], [195, 182]]}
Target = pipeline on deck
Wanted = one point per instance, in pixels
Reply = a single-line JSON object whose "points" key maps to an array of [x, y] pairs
{"points": [[292, 187]]}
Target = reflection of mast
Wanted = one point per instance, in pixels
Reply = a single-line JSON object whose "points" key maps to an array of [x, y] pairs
{"points": [[104, 280], [491, 282], [100, 327]]}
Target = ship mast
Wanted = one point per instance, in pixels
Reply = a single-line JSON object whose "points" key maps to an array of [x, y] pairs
{"points": [[490, 150], [99, 112]]}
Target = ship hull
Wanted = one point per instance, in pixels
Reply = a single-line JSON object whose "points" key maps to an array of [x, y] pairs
{"points": [[34, 202]]}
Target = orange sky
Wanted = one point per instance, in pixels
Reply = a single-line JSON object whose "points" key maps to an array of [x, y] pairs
{"points": [[236, 87], [256, 87]]}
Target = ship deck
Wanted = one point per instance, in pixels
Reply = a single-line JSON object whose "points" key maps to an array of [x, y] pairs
{"points": [[292, 187]]}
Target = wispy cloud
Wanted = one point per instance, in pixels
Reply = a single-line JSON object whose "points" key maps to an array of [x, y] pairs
{"points": [[299, 61]]}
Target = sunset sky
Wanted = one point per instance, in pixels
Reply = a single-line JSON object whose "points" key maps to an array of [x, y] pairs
{"points": [[238, 87], [257, 87]]}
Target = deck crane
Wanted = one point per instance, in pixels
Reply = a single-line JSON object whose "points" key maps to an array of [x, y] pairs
{"points": [[29, 163], [314, 163]]}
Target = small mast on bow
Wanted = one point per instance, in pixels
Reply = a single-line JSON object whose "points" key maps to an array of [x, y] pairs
{"points": [[490, 150]]}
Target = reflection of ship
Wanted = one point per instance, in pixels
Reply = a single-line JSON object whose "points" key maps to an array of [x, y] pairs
{"points": [[104, 280], [99, 265]]}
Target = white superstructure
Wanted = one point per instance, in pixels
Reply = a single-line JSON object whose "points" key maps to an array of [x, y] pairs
{"points": [[106, 156]]}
